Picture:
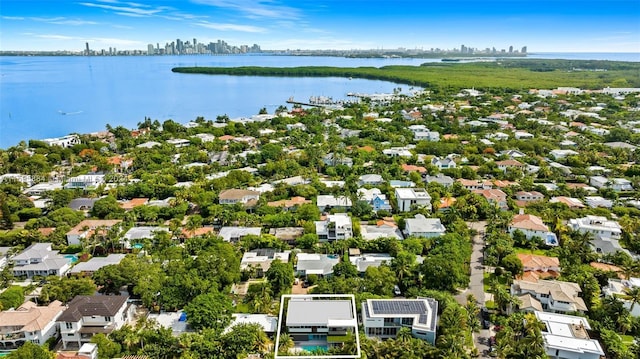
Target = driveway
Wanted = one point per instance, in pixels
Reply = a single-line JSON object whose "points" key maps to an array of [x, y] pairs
{"points": [[476, 287]]}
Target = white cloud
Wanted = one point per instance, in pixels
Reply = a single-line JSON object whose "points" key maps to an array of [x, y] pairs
{"points": [[12, 17], [73, 22], [132, 10], [57, 37], [230, 27], [255, 8]]}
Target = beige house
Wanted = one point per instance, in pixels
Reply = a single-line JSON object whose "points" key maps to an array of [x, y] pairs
{"points": [[29, 322]]}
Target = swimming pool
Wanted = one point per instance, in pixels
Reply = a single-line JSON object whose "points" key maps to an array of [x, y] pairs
{"points": [[72, 258], [311, 348]]}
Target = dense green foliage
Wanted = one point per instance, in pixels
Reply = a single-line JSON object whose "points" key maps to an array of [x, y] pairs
{"points": [[517, 74]]}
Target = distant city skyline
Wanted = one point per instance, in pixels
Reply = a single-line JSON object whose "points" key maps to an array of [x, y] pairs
{"points": [[542, 26]]}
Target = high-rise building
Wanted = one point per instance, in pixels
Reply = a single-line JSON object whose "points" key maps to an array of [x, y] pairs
{"points": [[150, 50], [510, 49], [87, 51], [524, 50]]}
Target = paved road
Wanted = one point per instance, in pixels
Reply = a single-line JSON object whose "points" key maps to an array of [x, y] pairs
{"points": [[476, 287]]}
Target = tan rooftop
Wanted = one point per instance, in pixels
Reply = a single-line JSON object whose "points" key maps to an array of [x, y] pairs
{"points": [[530, 222], [29, 317]]}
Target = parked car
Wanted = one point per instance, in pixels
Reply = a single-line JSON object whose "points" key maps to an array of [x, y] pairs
{"points": [[396, 290]]}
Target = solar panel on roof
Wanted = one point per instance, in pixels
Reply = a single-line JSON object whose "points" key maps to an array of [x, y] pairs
{"points": [[398, 307]]}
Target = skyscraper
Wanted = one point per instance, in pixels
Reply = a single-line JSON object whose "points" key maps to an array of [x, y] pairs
{"points": [[87, 51]]}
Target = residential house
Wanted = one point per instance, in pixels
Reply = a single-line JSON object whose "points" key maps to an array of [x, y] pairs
{"points": [[537, 267], [384, 228], [136, 236], [88, 227], [326, 202], [333, 160], [560, 154], [413, 168], [473, 185], [40, 260], [319, 319], [371, 180], [597, 201], [87, 315], [599, 227], [4, 256], [84, 182], [397, 152], [29, 322], [187, 233], [401, 184], [334, 227], [314, 263], [529, 196], [366, 260], [420, 226], [269, 323], [82, 204], [443, 163], [133, 203], [292, 181], [504, 165], [43, 187], [383, 318], [494, 196], [65, 141], [260, 259], [572, 203], [234, 234], [617, 184], [619, 288], [287, 234], [440, 178], [179, 142], [375, 198], [243, 196], [551, 295], [92, 265], [566, 336], [522, 135], [289, 204], [408, 197], [532, 226]]}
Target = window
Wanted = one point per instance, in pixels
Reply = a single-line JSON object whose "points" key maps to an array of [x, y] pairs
{"points": [[70, 334], [68, 325], [107, 319], [407, 321]]}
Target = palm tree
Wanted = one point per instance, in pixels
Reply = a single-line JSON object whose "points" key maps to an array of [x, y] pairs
{"points": [[285, 344], [634, 296]]}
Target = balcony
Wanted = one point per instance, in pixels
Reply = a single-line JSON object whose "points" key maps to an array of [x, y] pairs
{"points": [[12, 336]]}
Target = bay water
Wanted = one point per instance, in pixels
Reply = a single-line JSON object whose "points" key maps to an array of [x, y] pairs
{"points": [[42, 97]]}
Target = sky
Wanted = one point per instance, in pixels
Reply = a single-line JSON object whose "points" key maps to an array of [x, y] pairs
{"points": [[542, 26]]}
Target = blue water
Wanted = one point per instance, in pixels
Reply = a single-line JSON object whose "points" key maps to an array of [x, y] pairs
{"points": [[43, 97], [71, 257], [310, 348]]}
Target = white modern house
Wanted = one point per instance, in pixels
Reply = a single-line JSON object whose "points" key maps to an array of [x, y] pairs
{"points": [[565, 336], [443, 163], [383, 318], [87, 315], [65, 141], [326, 202], [39, 259], [29, 322], [617, 184], [599, 227], [334, 227], [408, 197], [420, 226], [314, 263], [619, 288], [320, 320], [366, 260], [370, 179], [234, 234]]}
